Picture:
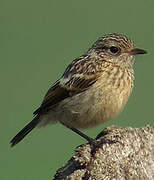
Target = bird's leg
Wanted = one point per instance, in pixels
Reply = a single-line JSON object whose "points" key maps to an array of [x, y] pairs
{"points": [[89, 139]]}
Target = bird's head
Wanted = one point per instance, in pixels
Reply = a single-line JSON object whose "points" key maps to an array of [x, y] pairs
{"points": [[116, 48]]}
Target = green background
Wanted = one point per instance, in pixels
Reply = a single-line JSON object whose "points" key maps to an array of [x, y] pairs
{"points": [[38, 39]]}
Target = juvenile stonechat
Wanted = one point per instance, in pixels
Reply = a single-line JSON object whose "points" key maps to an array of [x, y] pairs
{"points": [[93, 89]]}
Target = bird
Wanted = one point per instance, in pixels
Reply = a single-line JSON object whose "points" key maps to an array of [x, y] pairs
{"points": [[93, 89]]}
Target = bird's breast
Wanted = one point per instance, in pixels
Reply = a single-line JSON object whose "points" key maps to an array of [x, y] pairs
{"points": [[115, 88]]}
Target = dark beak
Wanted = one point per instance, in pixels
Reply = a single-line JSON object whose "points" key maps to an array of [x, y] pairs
{"points": [[137, 51]]}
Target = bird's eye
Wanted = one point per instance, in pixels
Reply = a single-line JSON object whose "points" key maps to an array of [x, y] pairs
{"points": [[114, 50]]}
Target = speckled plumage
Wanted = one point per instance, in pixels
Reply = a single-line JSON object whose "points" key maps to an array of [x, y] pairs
{"points": [[93, 89]]}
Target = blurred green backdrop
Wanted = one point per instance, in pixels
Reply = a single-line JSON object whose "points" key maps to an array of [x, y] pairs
{"points": [[38, 40]]}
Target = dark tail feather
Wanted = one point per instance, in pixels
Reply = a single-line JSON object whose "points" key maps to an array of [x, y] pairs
{"points": [[26, 130]]}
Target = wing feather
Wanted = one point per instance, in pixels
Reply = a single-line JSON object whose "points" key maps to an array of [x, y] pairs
{"points": [[54, 95], [80, 75], [60, 91]]}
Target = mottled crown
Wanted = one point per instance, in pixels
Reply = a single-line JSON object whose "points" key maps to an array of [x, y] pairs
{"points": [[117, 39]]}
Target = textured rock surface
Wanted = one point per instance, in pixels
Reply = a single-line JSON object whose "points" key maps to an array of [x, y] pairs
{"points": [[121, 153]]}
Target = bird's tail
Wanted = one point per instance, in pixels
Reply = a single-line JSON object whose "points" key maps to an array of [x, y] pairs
{"points": [[26, 130]]}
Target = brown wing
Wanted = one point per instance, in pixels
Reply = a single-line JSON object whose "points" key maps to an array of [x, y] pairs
{"points": [[78, 77], [64, 89], [54, 95]]}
